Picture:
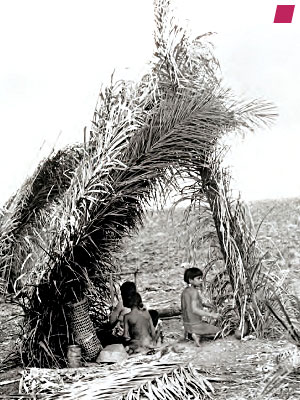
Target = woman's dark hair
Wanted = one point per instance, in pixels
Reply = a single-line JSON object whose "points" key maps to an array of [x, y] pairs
{"points": [[135, 301], [191, 273], [128, 289]]}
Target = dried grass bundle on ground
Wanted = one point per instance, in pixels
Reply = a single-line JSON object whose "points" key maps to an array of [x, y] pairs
{"points": [[144, 137]]}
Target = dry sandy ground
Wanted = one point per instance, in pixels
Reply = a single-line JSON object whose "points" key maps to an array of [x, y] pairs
{"points": [[243, 366]]}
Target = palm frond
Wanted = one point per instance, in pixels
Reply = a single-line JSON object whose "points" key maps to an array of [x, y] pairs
{"points": [[285, 310], [22, 211], [153, 380]]}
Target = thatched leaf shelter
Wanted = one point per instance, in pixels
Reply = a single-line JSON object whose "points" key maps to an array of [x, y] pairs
{"points": [[144, 137]]}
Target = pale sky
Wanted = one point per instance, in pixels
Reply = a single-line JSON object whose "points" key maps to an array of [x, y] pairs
{"points": [[55, 55]]}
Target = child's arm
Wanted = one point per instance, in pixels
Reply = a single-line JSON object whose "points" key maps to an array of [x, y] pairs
{"points": [[208, 305], [198, 310], [113, 318], [126, 328]]}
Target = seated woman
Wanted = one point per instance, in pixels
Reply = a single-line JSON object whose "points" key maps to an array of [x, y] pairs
{"points": [[116, 318], [139, 331], [112, 332]]}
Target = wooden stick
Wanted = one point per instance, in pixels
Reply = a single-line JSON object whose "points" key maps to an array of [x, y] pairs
{"points": [[111, 286], [8, 382], [126, 273], [17, 396]]}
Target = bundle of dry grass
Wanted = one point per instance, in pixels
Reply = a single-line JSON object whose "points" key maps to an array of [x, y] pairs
{"points": [[144, 137]]}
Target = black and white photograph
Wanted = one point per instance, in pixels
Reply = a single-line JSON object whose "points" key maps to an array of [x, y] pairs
{"points": [[150, 200]]}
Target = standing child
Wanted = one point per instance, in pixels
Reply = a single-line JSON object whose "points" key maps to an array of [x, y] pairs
{"points": [[192, 308], [138, 326]]}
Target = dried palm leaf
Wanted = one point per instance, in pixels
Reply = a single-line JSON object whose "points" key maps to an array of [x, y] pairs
{"points": [[138, 381], [22, 213]]}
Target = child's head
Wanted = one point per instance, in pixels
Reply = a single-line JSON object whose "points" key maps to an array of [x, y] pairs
{"points": [[191, 273], [135, 301]]}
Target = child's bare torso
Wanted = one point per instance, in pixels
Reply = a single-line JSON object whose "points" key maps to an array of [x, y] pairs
{"points": [[187, 296], [193, 322]]}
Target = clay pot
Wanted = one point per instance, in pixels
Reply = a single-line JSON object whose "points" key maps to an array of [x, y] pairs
{"points": [[74, 356]]}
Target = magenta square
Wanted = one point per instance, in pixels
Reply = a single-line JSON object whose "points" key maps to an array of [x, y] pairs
{"points": [[284, 14]]}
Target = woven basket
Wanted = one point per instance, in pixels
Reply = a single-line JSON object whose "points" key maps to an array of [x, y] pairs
{"points": [[83, 330]]}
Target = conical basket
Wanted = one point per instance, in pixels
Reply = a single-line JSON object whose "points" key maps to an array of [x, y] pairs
{"points": [[83, 330]]}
